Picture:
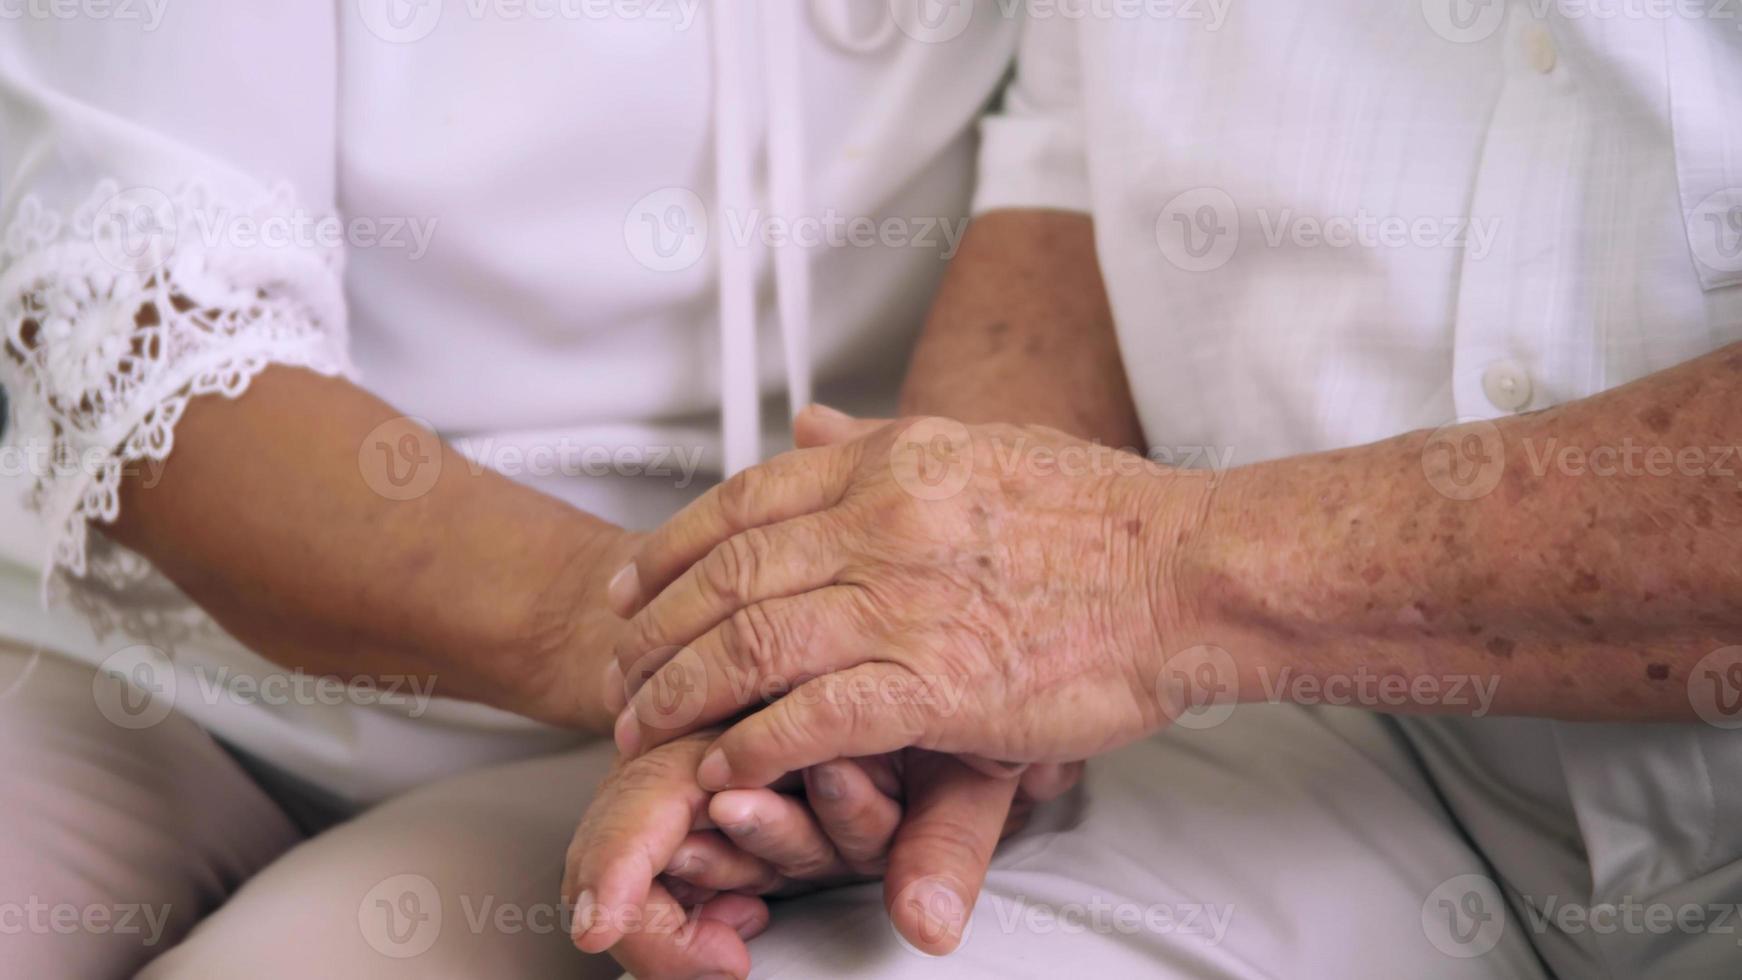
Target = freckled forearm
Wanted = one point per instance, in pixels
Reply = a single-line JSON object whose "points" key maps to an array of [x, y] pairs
{"points": [[1582, 559], [1022, 332]]}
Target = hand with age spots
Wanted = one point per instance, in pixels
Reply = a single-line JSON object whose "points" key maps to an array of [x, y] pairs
{"points": [[870, 578], [671, 879]]}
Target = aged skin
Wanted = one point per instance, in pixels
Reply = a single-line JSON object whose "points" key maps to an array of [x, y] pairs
{"points": [[1000, 342], [1584, 591], [1590, 568]]}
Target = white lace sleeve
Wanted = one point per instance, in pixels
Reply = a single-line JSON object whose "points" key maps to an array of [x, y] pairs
{"points": [[117, 314]]}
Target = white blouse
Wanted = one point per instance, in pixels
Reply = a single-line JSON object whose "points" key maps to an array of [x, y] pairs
{"points": [[584, 240]]}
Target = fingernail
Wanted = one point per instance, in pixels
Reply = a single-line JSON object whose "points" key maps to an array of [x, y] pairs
{"points": [[941, 909], [624, 591], [684, 863], [627, 733], [583, 915], [827, 782], [743, 828], [715, 773]]}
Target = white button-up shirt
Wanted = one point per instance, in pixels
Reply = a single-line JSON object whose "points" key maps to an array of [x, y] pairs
{"points": [[1323, 224]]}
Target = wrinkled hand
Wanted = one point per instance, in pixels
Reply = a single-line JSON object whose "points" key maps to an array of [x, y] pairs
{"points": [[1000, 591], [653, 843]]}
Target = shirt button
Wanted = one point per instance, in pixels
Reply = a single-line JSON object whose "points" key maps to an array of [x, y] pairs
{"points": [[1507, 385], [1539, 49]]}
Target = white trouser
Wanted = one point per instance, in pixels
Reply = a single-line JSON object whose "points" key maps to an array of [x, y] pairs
{"points": [[1285, 842]]}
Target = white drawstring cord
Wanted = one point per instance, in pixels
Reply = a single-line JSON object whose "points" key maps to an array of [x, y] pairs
{"points": [[740, 387], [787, 179]]}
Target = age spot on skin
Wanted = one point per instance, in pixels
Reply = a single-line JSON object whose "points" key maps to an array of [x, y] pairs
{"points": [[1134, 527], [1657, 418], [1501, 647], [1657, 672], [1372, 574], [1584, 581]]}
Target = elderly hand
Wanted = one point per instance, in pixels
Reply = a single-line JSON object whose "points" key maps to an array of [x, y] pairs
{"points": [[1002, 591], [648, 847]]}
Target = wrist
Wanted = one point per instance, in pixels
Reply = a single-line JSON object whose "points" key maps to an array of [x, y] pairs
{"points": [[1214, 642], [552, 645]]}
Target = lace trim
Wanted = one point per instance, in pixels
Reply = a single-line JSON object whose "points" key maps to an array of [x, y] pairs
{"points": [[116, 317]]}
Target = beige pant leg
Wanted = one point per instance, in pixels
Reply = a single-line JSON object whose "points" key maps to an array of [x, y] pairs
{"points": [[460, 878], [117, 840]]}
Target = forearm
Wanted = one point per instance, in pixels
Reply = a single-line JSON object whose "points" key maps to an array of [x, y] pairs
{"points": [[1021, 332], [276, 515], [1584, 569]]}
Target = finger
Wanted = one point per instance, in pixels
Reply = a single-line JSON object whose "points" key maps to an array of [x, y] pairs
{"points": [[667, 942], [760, 652], [790, 485], [829, 717], [955, 818], [708, 860], [820, 425], [778, 829], [857, 816], [1047, 781], [627, 838], [771, 562]]}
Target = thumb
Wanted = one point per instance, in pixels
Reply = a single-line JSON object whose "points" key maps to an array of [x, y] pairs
{"points": [[942, 850], [820, 425]]}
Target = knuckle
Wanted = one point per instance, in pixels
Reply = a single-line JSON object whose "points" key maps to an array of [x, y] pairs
{"points": [[753, 642], [738, 495], [731, 568]]}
